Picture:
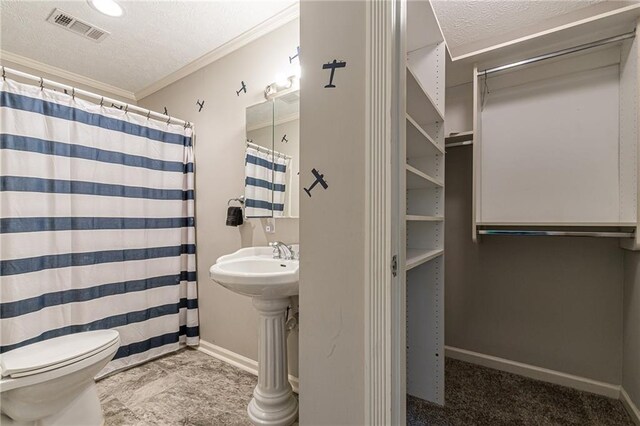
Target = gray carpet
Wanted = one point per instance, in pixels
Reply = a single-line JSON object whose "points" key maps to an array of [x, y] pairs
{"points": [[191, 388], [477, 395]]}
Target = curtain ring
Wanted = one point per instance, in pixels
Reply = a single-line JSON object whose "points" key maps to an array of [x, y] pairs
{"points": [[186, 124], [41, 83], [148, 113], [4, 75], [126, 108], [73, 93], [102, 101], [169, 120]]}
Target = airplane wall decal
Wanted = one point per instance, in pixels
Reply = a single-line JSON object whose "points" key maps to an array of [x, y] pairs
{"points": [[319, 180], [333, 66], [291, 58], [242, 89]]}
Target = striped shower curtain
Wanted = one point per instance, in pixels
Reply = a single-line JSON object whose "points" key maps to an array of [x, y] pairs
{"points": [[265, 184], [96, 224]]}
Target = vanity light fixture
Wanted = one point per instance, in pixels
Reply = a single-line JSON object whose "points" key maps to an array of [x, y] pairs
{"points": [[281, 86], [282, 81], [107, 7]]}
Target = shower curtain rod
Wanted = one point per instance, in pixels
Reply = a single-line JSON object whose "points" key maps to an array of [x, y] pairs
{"points": [[75, 91], [557, 53], [269, 151]]}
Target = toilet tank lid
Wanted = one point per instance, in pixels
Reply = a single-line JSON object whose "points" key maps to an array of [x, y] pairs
{"points": [[56, 352]]}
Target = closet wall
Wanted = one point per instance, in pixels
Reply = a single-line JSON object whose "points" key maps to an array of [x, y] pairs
{"points": [[552, 302], [631, 326]]}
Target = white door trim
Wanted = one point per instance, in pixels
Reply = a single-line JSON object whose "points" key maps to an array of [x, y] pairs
{"points": [[380, 39], [399, 225]]}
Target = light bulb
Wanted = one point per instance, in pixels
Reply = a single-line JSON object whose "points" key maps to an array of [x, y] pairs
{"points": [[108, 7], [282, 80]]}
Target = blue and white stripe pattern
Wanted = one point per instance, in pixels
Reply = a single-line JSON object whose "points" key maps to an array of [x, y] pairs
{"points": [[97, 225], [265, 184]]}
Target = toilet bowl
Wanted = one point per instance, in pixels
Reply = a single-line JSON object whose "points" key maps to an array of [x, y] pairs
{"points": [[50, 383]]}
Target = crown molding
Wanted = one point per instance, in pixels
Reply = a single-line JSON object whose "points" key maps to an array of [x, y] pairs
{"points": [[287, 15], [67, 75], [596, 22]]}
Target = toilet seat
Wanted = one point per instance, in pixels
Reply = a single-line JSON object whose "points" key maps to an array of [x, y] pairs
{"points": [[55, 353]]}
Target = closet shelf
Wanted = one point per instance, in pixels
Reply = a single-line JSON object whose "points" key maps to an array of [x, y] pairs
{"points": [[459, 139], [416, 257], [420, 218], [419, 104], [419, 142], [418, 180]]}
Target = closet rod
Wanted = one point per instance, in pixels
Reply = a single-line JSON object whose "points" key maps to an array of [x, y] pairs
{"points": [[556, 233], [555, 54], [454, 144], [103, 99]]}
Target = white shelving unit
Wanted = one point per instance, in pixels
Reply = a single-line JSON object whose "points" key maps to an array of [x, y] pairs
{"points": [[423, 220], [587, 146], [416, 257], [419, 180], [419, 218]]}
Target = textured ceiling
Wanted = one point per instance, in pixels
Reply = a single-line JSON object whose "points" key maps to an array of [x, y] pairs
{"points": [[151, 40], [469, 22]]}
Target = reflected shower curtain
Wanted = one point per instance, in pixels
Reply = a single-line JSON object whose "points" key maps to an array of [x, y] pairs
{"points": [[96, 224], [265, 183]]}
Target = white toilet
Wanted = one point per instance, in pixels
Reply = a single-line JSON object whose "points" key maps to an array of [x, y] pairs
{"points": [[51, 382]]}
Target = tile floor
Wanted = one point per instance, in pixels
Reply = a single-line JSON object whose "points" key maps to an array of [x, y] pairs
{"points": [[184, 388], [192, 388]]}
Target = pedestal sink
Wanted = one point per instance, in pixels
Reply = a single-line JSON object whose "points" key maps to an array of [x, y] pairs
{"points": [[270, 283]]}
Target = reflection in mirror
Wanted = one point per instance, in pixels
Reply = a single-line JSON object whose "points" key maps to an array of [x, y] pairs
{"points": [[259, 165], [272, 159], [286, 140]]}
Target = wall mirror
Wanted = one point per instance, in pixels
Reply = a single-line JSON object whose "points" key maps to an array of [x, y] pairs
{"points": [[272, 159]]}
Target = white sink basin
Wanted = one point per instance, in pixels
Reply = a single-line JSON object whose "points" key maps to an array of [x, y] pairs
{"points": [[254, 272]]}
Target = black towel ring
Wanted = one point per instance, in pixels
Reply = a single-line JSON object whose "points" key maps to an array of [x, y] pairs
{"points": [[239, 199]]}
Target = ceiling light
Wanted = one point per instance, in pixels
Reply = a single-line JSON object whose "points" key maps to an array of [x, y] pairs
{"points": [[108, 7]]}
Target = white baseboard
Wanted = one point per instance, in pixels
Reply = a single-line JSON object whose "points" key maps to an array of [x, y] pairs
{"points": [[543, 374], [237, 360], [631, 408]]}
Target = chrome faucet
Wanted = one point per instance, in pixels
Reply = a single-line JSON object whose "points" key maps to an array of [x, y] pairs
{"points": [[281, 250]]}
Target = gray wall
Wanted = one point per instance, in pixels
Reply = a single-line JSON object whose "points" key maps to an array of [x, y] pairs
{"points": [[332, 229], [550, 302], [631, 334], [227, 319]]}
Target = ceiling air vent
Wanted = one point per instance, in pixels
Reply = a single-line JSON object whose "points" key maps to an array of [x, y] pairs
{"points": [[71, 23]]}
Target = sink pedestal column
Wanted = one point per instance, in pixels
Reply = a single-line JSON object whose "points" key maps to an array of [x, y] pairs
{"points": [[273, 402]]}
